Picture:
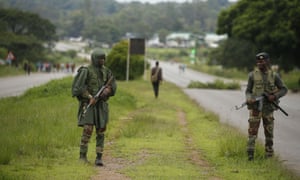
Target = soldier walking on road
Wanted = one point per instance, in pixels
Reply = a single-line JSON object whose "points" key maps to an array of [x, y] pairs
{"points": [[85, 86], [156, 78], [262, 80]]}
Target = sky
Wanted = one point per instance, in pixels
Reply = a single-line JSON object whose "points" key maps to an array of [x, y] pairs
{"points": [[156, 1]]}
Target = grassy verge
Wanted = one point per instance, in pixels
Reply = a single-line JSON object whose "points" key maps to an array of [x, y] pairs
{"points": [[217, 84], [40, 137], [10, 71]]}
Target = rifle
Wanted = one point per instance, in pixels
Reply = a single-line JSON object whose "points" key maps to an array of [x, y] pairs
{"points": [[96, 97], [260, 99], [275, 104]]}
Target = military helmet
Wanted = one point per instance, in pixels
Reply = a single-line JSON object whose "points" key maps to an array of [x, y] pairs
{"points": [[262, 56], [96, 55]]}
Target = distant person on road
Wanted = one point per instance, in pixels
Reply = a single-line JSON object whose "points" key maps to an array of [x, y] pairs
{"points": [[27, 67], [156, 78], [262, 80], [86, 84]]}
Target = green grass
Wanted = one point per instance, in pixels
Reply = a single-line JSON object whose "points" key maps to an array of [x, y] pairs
{"points": [[40, 137], [292, 80], [6, 71], [217, 84]]}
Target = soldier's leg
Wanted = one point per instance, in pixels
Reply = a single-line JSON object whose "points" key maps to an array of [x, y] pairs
{"points": [[85, 138], [268, 122], [99, 146], [254, 122], [155, 88]]}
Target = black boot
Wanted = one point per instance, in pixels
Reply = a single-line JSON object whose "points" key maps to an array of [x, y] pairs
{"points": [[83, 158], [250, 155], [269, 152], [98, 161]]}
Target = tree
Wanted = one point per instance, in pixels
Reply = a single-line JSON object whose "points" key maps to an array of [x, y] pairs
{"points": [[25, 33], [271, 25], [234, 53], [117, 61]]}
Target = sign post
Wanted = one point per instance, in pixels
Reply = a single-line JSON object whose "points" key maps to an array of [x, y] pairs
{"points": [[135, 46]]}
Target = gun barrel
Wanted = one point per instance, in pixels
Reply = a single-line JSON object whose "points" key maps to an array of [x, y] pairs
{"points": [[283, 111]]}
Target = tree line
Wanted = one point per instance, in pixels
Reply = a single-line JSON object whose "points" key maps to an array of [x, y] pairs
{"points": [[255, 26], [108, 21]]}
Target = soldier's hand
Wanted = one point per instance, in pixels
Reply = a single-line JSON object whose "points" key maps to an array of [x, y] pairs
{"points": [[92, 101], [106, 92], [271, 97], [250, 101]]}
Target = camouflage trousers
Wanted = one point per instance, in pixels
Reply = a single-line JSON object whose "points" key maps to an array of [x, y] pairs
{"points": [[86, 136], [268, 125]]}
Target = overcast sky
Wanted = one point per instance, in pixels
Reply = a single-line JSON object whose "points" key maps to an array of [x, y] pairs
{"points": [[155, 1]]}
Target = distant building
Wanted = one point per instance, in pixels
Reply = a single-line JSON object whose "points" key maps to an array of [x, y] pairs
{"points": [[212, 40], [154, 42], [183, 40]]}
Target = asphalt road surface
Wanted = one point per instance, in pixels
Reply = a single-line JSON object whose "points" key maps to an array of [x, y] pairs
{"points": [[223, 102]]}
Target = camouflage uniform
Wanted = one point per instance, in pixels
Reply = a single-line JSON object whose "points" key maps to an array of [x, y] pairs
{"points": [[85, 86], [259, 82]]}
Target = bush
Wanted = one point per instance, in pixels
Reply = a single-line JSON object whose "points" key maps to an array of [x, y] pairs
{"points": [[217, 84], [117, 62]]}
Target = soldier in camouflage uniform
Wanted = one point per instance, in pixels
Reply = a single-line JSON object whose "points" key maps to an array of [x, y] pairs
{"points": [[85, 85], [262, 79]]}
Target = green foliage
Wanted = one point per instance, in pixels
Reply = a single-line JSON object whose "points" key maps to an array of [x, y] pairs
{"points": [[117, 61], [169, 54], [292, 80], [6, 71], [275, 29], [108, 20], [3, 53], [24, 34], [217, 84], [236, 53]]}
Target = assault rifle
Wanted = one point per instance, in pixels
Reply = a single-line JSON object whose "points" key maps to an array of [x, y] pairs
{"points": [[260, 104], [97, 96]]}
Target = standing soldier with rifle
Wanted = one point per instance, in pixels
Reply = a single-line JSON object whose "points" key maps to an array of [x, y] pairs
{"points": [[93, 85], [262, 81]]}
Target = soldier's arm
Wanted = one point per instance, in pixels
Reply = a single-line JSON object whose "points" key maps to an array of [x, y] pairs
{"points": [[282, 89], [249, 87], [80, 86], [113, 85]]}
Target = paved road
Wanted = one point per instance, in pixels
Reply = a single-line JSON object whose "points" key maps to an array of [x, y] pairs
{"points": [[222, 102], [14, 86]]}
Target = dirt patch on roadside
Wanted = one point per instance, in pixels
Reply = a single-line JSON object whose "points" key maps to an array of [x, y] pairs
{"points": [[194, 154], [113, 166]]}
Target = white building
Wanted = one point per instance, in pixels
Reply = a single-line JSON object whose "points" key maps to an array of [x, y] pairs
{"points": [[212, 39], [185, 40]]}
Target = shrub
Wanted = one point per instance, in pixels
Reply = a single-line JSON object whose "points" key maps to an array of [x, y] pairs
{"points": [[117, 62]]}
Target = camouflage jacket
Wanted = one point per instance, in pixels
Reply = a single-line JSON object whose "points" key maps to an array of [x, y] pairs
{"points": [[87, 82]]}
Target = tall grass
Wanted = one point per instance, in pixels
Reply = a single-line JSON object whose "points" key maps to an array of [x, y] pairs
{"points": [[38, 132]]}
